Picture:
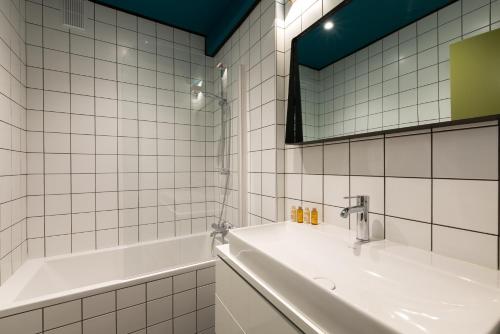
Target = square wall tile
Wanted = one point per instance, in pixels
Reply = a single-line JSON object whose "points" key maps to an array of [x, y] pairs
{"points": [[205, 276], [373, 187], [312, 160], [184, 302], [131, 296], [27, 322], [57, 245], [467, 204], [468, 154], [102, 324], [185, 323], [367, 157], [336, 159], [99, 304], [332, 216], [159, 288], [408, 198], [62, 314], [185, 281], [408, 232], [159, 310], [468, 246], [293, 158], [335, 189], [131, 319], [293, 186], [408, 156], [312, 188]]}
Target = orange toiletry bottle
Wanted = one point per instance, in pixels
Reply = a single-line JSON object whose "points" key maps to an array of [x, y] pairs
{"points": [[307, 216], [314, 216], [300, 215], [293, 215]]}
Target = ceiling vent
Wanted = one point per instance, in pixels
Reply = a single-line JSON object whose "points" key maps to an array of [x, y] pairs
{"points": [[74, 13]]}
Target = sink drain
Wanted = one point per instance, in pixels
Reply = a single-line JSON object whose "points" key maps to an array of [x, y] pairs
{"points": [[325, 283]]}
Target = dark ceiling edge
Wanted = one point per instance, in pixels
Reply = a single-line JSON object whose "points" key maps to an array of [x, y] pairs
{"points": [[236, 27], [212, 54], [148, 18], [368, 44]]}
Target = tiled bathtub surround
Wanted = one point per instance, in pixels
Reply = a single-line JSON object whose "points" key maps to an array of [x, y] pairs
{"points": [[436, 190], [13, 245], [178, 304], [117, 145], [399, 81]]}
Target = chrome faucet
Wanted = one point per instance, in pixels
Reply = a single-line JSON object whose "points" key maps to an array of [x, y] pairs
{"points": [[362, 222], [221, 229]]}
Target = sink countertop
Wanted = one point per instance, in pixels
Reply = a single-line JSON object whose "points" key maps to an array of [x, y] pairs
{"points": [[326, 282]]}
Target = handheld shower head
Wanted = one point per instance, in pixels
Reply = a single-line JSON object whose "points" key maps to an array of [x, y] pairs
{"points": [[221, 66], [196, 89]]}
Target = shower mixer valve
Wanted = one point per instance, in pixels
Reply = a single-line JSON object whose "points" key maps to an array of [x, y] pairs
{"points": [[221, 229]]}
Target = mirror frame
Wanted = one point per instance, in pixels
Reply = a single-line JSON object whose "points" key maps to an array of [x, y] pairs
{"points": [[293, 126]]}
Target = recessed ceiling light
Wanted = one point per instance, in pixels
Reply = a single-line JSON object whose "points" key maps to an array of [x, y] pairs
{"points": [[328, 25]]}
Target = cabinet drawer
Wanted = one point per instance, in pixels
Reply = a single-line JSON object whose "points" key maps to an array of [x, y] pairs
{"points": [[224, 322], [252, 312]]}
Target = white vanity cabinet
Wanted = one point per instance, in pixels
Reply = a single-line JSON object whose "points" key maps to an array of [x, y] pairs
{"points": [[241, 309]]}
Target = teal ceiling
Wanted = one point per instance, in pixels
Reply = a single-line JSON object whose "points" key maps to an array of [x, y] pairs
{"points": [[214, 19], [358, 24]]}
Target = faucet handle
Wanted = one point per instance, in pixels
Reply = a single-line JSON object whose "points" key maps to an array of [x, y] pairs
{"points": [[357, 196], [361, 199]]}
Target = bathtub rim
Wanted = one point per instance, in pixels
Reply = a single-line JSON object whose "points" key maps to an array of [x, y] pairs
{"points": [[11, 307]]}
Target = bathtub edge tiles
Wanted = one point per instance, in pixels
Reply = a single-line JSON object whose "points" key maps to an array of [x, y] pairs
{"points": [[80, 314]]}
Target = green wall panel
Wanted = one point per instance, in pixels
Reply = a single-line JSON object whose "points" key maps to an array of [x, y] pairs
{"points": [[475, 76]]}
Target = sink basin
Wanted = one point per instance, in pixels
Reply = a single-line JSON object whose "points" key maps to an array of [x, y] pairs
{"points": [[335, 285]]}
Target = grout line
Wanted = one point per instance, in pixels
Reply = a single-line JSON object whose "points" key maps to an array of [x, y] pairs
{"points": [[117, 139], [44, 153], [137, 135], [190, 139], [157, 140], [96, 235], [116, 310], [384, 157], [350, 180], [70, 151], [432, 189], [81, 314]]}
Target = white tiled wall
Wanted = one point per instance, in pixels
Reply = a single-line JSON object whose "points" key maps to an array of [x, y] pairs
{"points": [[436, 190], [178, 304], [258, 45], [117, 145], [120, 152], [401, 80], [13, 246]]}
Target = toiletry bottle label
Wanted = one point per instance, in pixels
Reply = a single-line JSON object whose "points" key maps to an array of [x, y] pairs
{"points": [[300, 215], [314, 216], [307, 216]]}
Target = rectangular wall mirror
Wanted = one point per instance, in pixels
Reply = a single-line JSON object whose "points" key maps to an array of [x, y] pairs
{"points": [[353, 73]]}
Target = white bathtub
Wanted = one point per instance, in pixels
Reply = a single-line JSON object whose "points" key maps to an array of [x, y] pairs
{"points": [[40, 283]]}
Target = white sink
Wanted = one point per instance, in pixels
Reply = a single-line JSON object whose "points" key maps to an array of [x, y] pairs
{"points": [[337, 286]]}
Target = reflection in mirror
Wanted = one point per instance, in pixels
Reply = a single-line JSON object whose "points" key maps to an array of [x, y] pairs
{"points": [[362, 73]]}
